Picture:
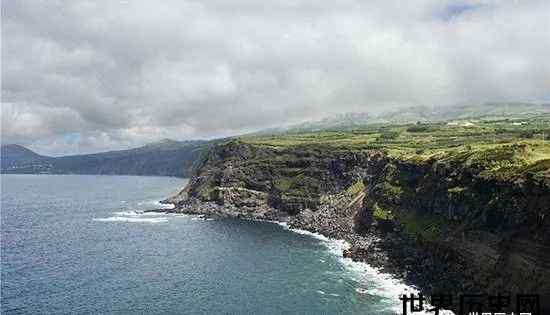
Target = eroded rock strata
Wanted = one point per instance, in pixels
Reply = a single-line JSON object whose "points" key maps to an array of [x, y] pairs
{"points": [[452, 224]]}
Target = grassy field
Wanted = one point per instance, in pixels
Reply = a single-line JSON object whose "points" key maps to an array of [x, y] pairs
{"points": [[425, 139], [506, 146]]}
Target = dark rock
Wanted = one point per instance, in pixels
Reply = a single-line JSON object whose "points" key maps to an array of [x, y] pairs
{"points": [[440, 225]]}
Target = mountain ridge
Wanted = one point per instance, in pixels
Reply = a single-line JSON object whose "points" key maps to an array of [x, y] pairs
{"points": [[413, 114], [162, 158], [168, 157]]}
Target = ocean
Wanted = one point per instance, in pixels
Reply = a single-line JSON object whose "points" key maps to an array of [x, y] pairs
{"points": [[76, 244]]}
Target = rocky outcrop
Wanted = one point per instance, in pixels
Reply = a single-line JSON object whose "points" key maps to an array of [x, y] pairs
{"points": [[290, 180], [490, 233], [464, 222]]}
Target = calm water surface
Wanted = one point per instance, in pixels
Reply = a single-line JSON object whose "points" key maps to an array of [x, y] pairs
{"points": [[75, 244]]}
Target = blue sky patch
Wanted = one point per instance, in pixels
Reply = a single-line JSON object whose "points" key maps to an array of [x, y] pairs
{"points": [[454, 10], [72, 138]]}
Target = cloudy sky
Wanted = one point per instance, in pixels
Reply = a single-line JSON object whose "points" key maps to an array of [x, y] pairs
{"points": [[86, 76]]}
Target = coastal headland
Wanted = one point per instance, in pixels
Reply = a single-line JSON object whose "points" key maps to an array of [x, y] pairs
{"points": [[448, 208]]}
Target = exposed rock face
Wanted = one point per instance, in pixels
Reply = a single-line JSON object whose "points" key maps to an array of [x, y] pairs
{"points": [[492, 230], [290, 180], [448, 225]]}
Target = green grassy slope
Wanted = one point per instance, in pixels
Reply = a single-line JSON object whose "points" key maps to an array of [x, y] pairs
{"points": [[503, 147]]}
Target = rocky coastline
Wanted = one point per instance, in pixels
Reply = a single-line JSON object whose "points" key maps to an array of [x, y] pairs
{"points": [[441, 225], [393, 254]]}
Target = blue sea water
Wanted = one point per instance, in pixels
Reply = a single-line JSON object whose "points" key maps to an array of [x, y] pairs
{"points": [[76, 244]]}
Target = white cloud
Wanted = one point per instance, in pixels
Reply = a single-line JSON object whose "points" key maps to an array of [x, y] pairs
{"points": [[121, 73]]}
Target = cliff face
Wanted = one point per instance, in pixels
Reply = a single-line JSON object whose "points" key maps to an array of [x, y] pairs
{"points": [[287, 180], [464, 222], [494, 230]]}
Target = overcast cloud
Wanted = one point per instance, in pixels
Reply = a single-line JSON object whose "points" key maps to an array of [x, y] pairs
{"points": [[86, 76]]}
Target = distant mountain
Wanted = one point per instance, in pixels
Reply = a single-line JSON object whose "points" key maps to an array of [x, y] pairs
{"points": [[344, 121], [487, 111], [13, 154], [180, 158], [163, 158], [340, 121], [350, 121]]}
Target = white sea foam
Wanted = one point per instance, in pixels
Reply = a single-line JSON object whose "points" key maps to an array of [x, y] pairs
{"points": [[201, 217], [138, 214], [375, 282], [157, 204], [132, 220], [166, 206], [329, 294], [141, 216], [135, 216], [304, 232], [362, 291]]}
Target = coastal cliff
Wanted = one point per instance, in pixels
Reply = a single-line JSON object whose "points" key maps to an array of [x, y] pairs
{"points": [[463, 221]]}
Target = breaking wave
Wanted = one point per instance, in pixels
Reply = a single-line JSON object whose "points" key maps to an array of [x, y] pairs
{"points": [[131, 220], [372, 281]]}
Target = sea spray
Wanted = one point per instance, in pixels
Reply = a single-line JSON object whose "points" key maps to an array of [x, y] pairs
{"points": [[131, 220], [378, 283]]}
